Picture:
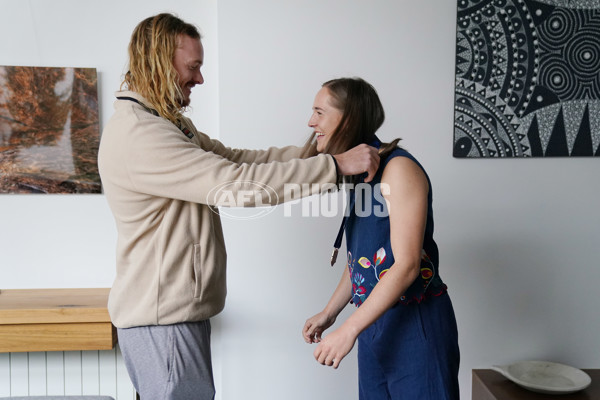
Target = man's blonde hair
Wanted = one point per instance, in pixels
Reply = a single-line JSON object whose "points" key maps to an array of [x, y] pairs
{"points": [[151, 72]]}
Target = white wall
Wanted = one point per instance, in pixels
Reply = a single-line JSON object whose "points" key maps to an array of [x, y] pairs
{"points": [[518, 238]]}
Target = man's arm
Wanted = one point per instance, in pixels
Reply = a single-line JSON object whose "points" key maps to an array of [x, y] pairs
{"points": [[357, 160]]}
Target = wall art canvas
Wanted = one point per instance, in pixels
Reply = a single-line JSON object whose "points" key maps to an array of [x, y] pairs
{"points": [[49, 130], [527, 79]]}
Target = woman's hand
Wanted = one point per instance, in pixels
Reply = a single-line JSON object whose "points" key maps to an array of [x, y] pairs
{"points": [[315, 326], [335, 346]]}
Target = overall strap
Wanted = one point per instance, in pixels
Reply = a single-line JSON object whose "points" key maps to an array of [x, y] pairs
{"points": [[338, 240]]}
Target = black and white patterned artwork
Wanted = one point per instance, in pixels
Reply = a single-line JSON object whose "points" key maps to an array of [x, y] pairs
{"points": [[527, 78]]}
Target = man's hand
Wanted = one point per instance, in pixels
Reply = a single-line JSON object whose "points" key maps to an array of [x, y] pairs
{"points": [[359, 159]]}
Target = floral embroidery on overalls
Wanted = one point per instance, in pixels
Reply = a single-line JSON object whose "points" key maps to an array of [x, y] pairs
{"points": [[427, 272], [359, 291]]}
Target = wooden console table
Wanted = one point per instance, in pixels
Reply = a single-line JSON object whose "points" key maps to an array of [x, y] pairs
{"points": [[55, 320], [491, 385]]}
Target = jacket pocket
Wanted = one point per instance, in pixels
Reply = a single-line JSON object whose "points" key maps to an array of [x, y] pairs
{"points": [[197, 271]]}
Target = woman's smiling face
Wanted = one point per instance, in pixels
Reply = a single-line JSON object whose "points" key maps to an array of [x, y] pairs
{"points": [[325, 118]]}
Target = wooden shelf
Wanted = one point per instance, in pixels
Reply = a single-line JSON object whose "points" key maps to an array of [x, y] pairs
{"points": [[55, 320]]}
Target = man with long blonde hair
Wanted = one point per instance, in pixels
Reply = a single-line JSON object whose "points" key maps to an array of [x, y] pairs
{"points": [[158, 173]]}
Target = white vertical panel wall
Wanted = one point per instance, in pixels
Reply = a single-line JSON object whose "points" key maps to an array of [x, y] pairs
{"points": [[68, 373]]}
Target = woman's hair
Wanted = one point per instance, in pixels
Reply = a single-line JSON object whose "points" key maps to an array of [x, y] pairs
{"points": [[151, 72], [362, 116]]}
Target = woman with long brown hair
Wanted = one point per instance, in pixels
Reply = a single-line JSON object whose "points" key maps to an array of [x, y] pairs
{"points": [[404, 322]]}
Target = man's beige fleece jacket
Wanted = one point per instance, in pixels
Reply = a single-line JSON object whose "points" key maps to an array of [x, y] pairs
{"points": [[170, 254]]}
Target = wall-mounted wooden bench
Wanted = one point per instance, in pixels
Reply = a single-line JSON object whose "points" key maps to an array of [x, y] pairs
{"points": [[55, 320]]}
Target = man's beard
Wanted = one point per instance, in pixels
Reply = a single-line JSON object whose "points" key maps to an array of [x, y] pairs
{"points": [[181, 99]]}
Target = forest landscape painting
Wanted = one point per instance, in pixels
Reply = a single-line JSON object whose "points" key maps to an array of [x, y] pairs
{"points": [[49, 130]]}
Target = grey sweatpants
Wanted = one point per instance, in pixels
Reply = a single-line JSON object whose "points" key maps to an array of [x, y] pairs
{"points": [[169, 362]]}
